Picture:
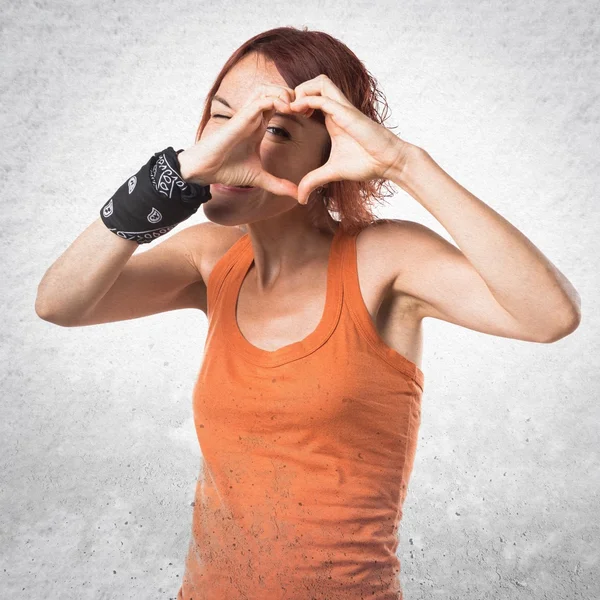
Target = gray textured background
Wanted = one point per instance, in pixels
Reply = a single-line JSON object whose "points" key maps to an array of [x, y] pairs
{"points": [[98, 450]]}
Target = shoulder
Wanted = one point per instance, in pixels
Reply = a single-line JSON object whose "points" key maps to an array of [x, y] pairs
{"points": [[395, 235], [391, 227], [210, 242], [398, 250], [206, 242], [415, 242]]}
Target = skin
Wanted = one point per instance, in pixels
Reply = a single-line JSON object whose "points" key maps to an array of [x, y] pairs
{"points": [[284, 240]]}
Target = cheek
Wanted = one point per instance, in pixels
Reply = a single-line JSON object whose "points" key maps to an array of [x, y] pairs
{"points": [[288, 162]]}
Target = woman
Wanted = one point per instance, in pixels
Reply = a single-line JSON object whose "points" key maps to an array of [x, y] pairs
{"points": [[307, 403]]}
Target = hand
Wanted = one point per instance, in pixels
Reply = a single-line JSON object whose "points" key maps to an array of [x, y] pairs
{"points": [[361, 149], [228, 150]]}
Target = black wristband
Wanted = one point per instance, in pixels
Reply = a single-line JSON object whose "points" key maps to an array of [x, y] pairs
{"points": [[154, 200]]}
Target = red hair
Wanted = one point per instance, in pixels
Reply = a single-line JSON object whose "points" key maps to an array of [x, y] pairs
{"points": [[300, 55]]}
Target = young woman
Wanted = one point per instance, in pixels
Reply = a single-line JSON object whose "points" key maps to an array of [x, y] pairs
{"points": [[307, 404]]}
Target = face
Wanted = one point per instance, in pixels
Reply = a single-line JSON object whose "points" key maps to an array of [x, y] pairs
{"points": [[288, 149]]}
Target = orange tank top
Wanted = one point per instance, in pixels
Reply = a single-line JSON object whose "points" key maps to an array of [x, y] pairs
{"points": [[306, 451]]}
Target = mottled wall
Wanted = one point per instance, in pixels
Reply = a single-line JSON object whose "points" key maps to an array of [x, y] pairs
{"points": [[98, 451]]}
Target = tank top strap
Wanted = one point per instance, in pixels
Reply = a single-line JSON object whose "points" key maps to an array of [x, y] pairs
{"points": [[350, 275], [355, 304], [220, 270]]}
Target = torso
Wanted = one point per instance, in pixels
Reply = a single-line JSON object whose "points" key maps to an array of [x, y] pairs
{"points": [[277, 321]]}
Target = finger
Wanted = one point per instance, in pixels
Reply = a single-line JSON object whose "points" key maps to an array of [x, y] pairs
{"points": [[286, 96], [285, 93], [319, 102], [323, 103], [284, 107], [321, 86], [261, 108], [312, 180], [276, 185], [348, 117], [282, 99], [267, 89]]}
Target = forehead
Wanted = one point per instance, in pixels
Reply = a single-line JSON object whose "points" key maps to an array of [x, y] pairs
{"points": [[249, 73]]}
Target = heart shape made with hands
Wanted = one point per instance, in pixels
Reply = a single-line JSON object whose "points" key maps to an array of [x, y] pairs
{"points": [[361, 149]]}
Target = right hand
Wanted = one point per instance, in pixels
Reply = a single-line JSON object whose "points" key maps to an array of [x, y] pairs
{"points": [[230, 155]]}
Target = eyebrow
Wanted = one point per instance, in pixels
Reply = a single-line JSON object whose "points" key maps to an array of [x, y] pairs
{"points": [[277, 114]]}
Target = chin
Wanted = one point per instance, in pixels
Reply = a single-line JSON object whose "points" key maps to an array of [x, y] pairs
{"points": [[226, 213], [222, 215]]}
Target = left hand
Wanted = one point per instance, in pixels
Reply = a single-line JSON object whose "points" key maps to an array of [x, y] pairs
{"points": [[361, 149]]}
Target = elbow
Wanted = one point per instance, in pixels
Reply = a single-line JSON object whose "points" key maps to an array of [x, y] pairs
{"points": [[572, 323], [43, 313]]}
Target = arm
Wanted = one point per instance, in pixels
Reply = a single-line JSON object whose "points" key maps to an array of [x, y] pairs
{"points": [[82, 274], [497, 282], [96, 280]]}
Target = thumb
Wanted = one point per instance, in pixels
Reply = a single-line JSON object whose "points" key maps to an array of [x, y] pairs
{"points": [[276, 185], [312, 180]]}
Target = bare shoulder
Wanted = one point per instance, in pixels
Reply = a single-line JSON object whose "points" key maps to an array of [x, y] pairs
{"points": [[393, 228], [389, 239], [217, 243], [403, 240], [391, 248], [206, 243]]}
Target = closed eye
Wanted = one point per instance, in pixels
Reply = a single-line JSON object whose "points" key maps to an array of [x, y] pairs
{"points": [[283, 134]]}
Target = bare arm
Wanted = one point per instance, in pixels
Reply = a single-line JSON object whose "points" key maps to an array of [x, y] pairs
{"points": [[97, 280], [82, 274]]}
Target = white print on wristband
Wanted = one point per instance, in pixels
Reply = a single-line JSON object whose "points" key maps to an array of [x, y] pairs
{"points": [[131, 183], [108, 209], [142, 236], [164, 177], [154, 216]]}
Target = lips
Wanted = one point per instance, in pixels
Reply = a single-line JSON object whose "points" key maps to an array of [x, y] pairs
{"points": [[233, 188]]}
